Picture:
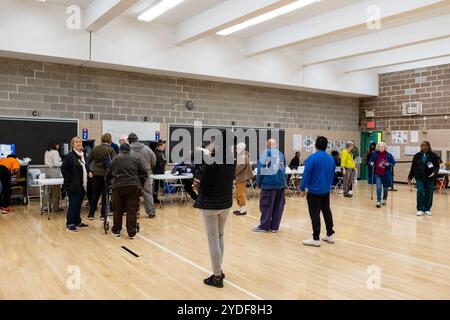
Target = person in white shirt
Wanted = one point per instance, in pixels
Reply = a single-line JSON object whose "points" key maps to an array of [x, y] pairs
{"points": [[52, 159]]}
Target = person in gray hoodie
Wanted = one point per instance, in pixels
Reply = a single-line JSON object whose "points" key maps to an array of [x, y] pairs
{"points": [[148, 158]]}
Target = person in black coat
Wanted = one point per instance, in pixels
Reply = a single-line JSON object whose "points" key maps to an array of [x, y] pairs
{"points": [[295, 162], [214, 200], [424, 168], [160, 168], [75, 172]]}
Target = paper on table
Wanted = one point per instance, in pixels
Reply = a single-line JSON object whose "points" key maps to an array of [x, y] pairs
{"points": [[414, 136]]}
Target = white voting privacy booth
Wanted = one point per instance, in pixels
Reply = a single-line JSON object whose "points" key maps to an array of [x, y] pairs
{"points": [[144, 130]]}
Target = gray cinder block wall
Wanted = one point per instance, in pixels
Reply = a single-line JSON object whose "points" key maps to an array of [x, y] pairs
{"points": [[64, 91], [430, 85]]}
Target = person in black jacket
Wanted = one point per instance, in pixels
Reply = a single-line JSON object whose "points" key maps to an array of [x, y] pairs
{"points": [[215, 198], [75, 171], [424, 168], [160, 168], [127, 176], [295, 161]]}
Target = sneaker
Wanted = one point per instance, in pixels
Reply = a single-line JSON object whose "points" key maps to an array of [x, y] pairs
{"points": [[274, 231], [236, 211], [82, 225], [348, 195], [117, 235], [214, 282], [131, 237], [340, 191], [383, 202], [239, 213], [428, 213], [258, 229], [72, 229], [3, 210], [152, 216], [350, 192], [90, 217], [312, 243], [419, 213], [329, 239], [378, 204]]}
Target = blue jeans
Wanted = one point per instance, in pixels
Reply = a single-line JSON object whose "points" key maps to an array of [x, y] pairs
{"points": [[381, 184], [74, 210]]}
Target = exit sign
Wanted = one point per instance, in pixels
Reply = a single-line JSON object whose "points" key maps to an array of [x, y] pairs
{"points": [[371, 124]]}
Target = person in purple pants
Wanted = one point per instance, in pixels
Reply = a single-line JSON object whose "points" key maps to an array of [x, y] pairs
{"points": [[271, 179]]}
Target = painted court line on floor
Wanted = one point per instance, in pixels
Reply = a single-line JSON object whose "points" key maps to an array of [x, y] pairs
{"points": [[390, 253], [198, 266]]}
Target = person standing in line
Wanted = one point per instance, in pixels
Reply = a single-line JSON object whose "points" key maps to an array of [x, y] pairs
{"points": [[348, 168], [382, 163], [52, 159], [215, 199], [372, 149], [160, 168], [355, 154], [126, 175], [242, 175], [271, 179], [317, 179], [8, 167], [75, 172], [102, 156], [424, 168], [122, 139], [148, 158]]}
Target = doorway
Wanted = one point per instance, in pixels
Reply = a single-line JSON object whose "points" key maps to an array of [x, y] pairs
{"points": [[366, 139]]}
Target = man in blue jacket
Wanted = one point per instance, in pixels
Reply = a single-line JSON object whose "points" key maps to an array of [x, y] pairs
{"points": [[318, 178], [272, 181]]}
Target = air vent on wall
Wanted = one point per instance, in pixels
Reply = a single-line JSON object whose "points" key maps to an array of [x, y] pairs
{"points": [[411, 108]]}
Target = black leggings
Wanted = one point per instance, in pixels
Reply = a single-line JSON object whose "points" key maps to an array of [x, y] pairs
{"points": [[5, 178]]}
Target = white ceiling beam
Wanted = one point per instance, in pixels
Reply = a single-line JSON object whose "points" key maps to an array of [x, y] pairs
{"points": [[349, 18], [222, 16], [418, 52], [101, 12], [386, 39]]}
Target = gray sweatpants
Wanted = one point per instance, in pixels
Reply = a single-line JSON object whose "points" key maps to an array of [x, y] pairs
{"points": [[215, 226], [148, 197], [348, 180]]}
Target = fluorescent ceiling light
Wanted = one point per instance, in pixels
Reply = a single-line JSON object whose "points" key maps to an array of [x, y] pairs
{"points": [[160, 8], [267, 16]]}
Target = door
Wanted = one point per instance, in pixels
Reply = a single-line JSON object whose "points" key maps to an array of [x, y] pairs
{"points": [[366, 139]]}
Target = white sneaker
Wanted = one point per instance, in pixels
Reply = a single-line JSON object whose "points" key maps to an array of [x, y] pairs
{"points": [[419, 213], [383, 202], [312, 243], [350, 192], [428, 213], [341, 191], [329, 239]]}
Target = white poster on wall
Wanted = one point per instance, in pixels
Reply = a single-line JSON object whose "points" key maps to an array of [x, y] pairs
{"points": [[144, 130], [395, 151], [414, 136], [399, 137], [411, 151], [297, 142], [308, 143]]}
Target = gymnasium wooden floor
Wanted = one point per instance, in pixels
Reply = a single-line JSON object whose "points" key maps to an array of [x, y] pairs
{"points": [[409, 255]]}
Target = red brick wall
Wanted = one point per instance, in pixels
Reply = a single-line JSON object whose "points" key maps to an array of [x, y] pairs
{"points": [[432, 88]]}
